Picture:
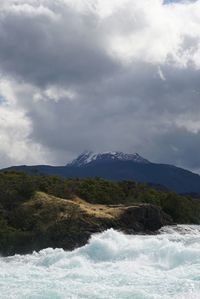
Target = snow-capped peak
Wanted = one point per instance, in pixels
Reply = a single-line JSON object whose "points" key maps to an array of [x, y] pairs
{"points": [[88, 157]]}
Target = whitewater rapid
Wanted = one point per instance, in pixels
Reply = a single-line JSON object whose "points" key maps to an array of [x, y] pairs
{"points": [[112, 265]]}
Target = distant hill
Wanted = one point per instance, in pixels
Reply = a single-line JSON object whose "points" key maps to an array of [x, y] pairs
{"points": [[118, 166]]}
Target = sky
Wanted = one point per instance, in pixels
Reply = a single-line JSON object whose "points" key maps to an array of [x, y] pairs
{"points": [[99, 75]]}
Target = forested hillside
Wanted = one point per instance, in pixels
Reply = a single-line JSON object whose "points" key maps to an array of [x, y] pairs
{"points": [[34, 208]]}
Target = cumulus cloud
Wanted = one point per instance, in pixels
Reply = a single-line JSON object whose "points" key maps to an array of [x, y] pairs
{"points": [[99, 75]]}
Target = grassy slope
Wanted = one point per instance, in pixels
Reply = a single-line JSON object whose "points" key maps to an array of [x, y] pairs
{"points": [[47, 221], [39, 211]]}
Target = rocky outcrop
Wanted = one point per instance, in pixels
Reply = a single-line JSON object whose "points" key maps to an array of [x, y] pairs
{"points": [[143, 218], [48, 221]]}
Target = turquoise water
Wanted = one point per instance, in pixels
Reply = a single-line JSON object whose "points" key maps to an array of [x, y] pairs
{"points": [[112, 265]]}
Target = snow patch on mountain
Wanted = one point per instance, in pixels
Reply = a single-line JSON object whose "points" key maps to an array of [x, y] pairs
{"points": [[88, 157]]}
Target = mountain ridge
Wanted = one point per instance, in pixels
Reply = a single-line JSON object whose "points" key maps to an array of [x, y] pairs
{"points": [[88, 157], [118, 166]]}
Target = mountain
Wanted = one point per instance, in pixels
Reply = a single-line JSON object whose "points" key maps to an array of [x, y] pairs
{"points": [[119, 166], [89, 157]]}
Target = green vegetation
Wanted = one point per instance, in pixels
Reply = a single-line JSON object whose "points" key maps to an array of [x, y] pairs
{"points": [[26, 218], [182, 209], [17, 188]]}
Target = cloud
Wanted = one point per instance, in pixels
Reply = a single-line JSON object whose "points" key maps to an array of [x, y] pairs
{"points": [[99, 75]]}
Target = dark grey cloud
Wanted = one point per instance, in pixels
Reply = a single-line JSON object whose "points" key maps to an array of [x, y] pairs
{"points": [[179, 146], [99, 76], [131, 113], [52, 46]]}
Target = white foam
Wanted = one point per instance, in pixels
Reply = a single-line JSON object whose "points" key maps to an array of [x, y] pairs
{"points": [[112, 265]]}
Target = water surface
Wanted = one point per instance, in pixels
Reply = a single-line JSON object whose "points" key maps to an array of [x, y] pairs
{"points": [[112, 265]]}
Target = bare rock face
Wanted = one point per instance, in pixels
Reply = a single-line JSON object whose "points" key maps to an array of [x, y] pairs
{"points": [[143, 218], [48, 221]]}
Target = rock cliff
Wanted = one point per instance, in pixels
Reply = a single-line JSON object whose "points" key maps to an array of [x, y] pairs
{"points": [[48, 221]]}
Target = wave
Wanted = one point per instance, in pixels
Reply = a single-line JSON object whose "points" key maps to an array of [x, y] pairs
{"points": [[111, 265]]}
